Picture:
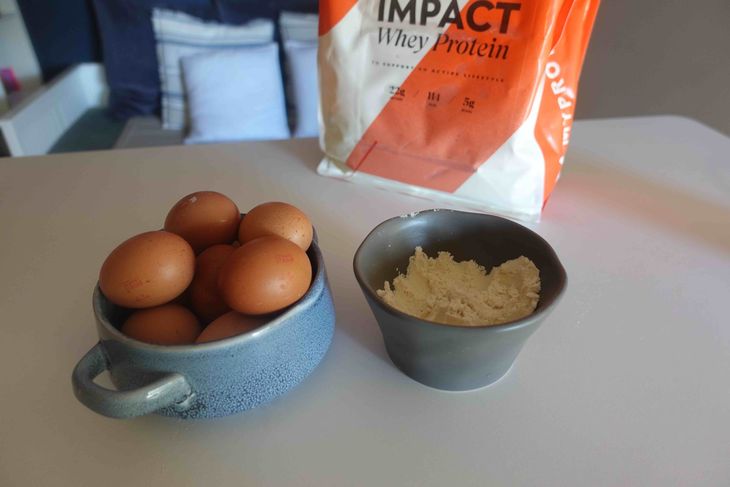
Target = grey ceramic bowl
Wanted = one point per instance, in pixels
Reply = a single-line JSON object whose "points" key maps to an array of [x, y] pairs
{"points": [[210, 379], [454, 358]]}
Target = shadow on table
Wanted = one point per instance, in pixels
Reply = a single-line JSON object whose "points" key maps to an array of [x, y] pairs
{"points": [[655, 203], [354, 316]]}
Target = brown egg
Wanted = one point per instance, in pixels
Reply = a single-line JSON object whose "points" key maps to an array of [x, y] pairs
{"points": [[228, 325], [276, 218], [265, 275], [169, 324], [205, 298], [203, 219], [147, 270]]}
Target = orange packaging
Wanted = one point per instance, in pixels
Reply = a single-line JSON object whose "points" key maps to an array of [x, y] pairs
{"points": [[467, 102]]}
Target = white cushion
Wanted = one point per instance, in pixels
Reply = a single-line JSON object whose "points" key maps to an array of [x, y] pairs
{"points": [[295, 26], [301, 59], [235, 95], [179, 35]]}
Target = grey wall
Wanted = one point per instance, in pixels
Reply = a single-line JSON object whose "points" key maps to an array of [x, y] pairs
{"points": [[659, 57], [16, 50]]}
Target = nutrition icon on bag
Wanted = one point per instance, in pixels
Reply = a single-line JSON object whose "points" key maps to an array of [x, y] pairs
{"points": [[468, 105]]}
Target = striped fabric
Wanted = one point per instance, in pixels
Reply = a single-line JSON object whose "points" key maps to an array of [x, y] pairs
{"points": [[179, 35]]}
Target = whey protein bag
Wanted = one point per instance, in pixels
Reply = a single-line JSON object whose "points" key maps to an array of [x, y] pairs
{"points": [[467, 102]]}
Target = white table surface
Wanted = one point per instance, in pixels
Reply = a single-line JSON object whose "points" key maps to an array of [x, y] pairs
{"points": [[626, 383]]}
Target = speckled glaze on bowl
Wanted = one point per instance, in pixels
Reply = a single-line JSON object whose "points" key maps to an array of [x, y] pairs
{"points": [[447, 357], [211, 379]]}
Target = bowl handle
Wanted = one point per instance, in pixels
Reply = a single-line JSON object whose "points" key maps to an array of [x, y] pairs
{"points": [[167, 391]]}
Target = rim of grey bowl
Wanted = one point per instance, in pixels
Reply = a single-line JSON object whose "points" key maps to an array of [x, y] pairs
{"points": [[297, 307], [509, 325]]}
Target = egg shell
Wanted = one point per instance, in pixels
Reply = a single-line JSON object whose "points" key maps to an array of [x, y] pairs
{"points": [[230, 324], [147, 270], [205, 298], [265, 275], [277, 218], [169, 324], [204, 218]]}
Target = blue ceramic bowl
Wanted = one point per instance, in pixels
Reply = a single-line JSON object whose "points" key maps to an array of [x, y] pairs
{"points": [[210, 379]]}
